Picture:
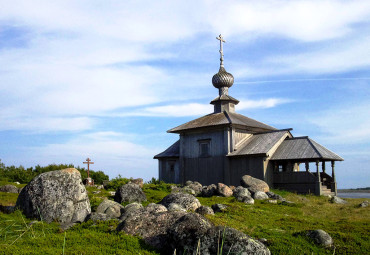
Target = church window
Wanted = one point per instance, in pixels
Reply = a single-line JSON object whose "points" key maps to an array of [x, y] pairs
{"points": [[204, 148]]}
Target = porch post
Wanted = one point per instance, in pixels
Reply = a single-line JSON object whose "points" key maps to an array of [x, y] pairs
{"points": [[332, 170], [334, 183], [318, 171], [307, 166], [323, 166], [318, 183]]}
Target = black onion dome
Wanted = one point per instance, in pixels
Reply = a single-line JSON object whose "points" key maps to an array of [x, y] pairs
{"points": [[222, 79]]}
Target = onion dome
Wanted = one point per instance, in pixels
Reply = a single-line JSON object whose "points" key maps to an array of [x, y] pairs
{"points": [[222, 79]]}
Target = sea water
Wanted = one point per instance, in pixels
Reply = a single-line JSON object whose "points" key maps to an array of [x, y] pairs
{"points": [[354, 195]]}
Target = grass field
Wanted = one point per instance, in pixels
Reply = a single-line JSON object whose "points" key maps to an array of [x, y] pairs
{"points": [[283, 225]]}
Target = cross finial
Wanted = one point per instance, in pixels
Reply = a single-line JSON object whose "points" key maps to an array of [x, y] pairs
{"points": [[221, 39]]}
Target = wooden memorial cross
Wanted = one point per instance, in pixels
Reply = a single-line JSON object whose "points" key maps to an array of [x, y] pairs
{"points": [[88, 162]]}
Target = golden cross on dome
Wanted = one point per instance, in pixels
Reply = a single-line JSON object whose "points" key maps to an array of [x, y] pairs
{"points": [[221, 39]]}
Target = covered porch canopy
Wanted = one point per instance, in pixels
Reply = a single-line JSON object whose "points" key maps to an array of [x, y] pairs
{"points": [[294, 151]]}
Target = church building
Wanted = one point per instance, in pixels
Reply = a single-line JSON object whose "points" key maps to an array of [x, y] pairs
{"points": [[224, 145]]}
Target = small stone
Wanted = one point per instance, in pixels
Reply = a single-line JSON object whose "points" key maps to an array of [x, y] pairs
{"points": [[209, 191], [320, 237], [260, 195], [338, 200], [112, 193], [219, 207], [364, 204], [272, 201], [96, 192], [240, 193], [204, 210], [187, 183], [224, 190], [99, 186], [248, 200], [272, 195]]}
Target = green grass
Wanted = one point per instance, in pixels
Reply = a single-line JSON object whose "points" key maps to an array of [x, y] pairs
{"points": [[282, 225]]}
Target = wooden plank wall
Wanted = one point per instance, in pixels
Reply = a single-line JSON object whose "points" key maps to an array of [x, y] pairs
{"points": [[252, 166]]}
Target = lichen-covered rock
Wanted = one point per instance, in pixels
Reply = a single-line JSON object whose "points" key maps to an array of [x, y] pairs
{"points": [[254, 184], [364, 204], [186, 189], [187, 201], [248, 200], [131, 209], [155, 208], [224, 190], [240, 193], [129, 193], [153, 228], [197, 187], [204, 210], [272, 195], [175, 207], [9, 188], [320, 237], [138, 181], [259, 195], [187, 230], [56, 195], [219, 207], [95, 216], [338, 200], [110, 208], [209, 191]]}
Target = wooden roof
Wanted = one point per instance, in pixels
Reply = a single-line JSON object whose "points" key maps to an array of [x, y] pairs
{"points": [[171, 152], [303, 148], [259, 143], [222, 118]]}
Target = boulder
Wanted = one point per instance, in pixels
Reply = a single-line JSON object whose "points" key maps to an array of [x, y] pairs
{"points": [[209, 191], [187, 183], [175, 207], [9, 188], [224, 190], [155, 208], [272, 201], [240, 193], [233, 242], [320, 237], [129, 192], [259, 195], [219, 207], [153, 228], [272, 195], [197, 187], [56, 195], [186, 189], [254, 184], [338, 200], [187, 201], [204, 210], [110, 208], [187, 230], [131, 209], [364, 204], [99, 186], [248, 200]]}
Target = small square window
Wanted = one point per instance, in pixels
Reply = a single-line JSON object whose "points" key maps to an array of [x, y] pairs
{"points": [[204, 148]]}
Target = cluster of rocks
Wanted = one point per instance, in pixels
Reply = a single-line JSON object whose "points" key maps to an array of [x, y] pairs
{"points": [[251, 189]]}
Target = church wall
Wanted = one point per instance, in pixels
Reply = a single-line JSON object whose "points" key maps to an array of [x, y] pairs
{"points": [[169, 170], [252, 166]]}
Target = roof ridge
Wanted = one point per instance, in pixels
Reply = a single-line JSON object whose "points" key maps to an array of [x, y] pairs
{"points": [[314, 147]]}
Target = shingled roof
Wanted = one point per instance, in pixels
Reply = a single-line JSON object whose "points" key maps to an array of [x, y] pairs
{"points": [[223, 118], [303, 148], [259, 143], [172, 151]]}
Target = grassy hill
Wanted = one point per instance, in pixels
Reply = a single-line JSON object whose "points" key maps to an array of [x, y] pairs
{"points": [[283, 225]]}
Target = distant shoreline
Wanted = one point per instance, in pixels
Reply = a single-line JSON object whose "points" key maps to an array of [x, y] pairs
{"points": [[353, 191]]}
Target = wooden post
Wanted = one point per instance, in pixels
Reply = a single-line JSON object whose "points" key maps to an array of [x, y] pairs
{"points": [[332, 170], [318, 171], [323, 167], [307, 166]]}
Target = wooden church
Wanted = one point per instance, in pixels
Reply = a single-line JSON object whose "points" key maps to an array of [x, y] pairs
{"points": [[224, 145]]}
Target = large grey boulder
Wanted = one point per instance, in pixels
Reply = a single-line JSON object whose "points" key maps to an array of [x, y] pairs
{"points": [[196, 186], [240, 193], [153, 228], [9, 188], [187, 201], [224, 190], [110, 208], [254, 184], [338, 200], [131, 209], [320, 237], [129, 193], [57, 195], [94, 216], [155, 208]]}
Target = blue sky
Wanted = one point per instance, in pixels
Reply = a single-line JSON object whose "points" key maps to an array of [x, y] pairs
{"points": [[106, 79]]}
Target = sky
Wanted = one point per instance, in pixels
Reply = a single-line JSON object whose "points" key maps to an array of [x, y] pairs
{"points": [[107, 79]]}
